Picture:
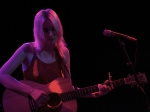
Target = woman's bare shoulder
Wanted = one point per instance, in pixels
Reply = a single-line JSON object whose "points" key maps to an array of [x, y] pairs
{"points": [[28, 47]]}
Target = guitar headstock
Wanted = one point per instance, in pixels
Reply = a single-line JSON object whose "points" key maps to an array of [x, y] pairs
{"points": [[141, 77]]}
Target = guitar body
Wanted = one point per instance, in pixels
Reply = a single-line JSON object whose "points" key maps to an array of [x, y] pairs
{"points": [[62, 95], [15, 102]]}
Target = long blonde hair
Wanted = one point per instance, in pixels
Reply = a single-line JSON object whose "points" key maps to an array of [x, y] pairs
{"points": [[39, 19]]}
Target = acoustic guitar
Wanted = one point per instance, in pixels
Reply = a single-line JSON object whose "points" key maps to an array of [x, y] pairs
{"points": [[62, 95]]}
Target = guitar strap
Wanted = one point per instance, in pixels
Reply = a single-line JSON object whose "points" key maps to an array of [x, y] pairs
{"points": [[65, 66]]}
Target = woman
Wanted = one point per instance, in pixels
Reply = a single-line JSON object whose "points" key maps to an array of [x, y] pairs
{"points": [[43, 61]]}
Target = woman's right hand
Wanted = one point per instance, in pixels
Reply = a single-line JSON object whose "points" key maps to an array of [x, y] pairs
{"points": [[39, 96]]}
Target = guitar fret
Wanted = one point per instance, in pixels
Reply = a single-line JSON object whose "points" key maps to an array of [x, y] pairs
{"points": [[122, 81], [90, 91], [96, 88], [81, 92], [86, 90], [71, 94], [118, 82], [63, 96], [78, 93], [67, 94]]}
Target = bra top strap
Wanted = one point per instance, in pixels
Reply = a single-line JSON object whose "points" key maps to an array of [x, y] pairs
{"points": [[65, 66]]}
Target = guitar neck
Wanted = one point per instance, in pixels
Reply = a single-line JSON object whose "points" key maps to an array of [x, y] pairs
{"points": [[87, 90], [78, 93], [119, 82]]}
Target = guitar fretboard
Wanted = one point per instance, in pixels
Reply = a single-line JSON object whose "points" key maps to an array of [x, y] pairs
{"points": [[87, 90], [78, 93], [119, 82]]}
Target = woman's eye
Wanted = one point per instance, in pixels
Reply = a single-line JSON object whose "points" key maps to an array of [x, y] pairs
{"points": [[53, 29], [45, 30]]}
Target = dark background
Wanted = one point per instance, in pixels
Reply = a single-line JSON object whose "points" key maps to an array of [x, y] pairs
{"points": [[93, 55]]}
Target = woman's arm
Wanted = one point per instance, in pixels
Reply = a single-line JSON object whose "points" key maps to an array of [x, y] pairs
{"points": [[11, 83], [7, 69]]}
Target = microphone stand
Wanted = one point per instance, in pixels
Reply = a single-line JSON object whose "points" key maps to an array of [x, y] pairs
{"points": [[133, 71]]}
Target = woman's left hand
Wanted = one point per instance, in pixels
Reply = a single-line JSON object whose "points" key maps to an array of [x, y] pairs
{"points": [[103, 89]]}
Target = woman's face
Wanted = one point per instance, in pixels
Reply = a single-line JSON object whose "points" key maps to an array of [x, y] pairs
{"points": [[49, 32]]}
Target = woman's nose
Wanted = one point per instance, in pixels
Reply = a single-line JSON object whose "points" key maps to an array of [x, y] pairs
{"points": [[50, 33]]}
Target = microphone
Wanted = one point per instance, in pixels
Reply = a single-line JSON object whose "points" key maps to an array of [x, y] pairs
{"points": [[118, 35]]}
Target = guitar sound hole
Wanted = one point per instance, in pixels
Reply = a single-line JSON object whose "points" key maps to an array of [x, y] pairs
{"points": [[55, 100], [53, 105]]}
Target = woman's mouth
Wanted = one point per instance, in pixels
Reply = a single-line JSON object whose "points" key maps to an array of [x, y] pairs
{"points": [[51, 39]]}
